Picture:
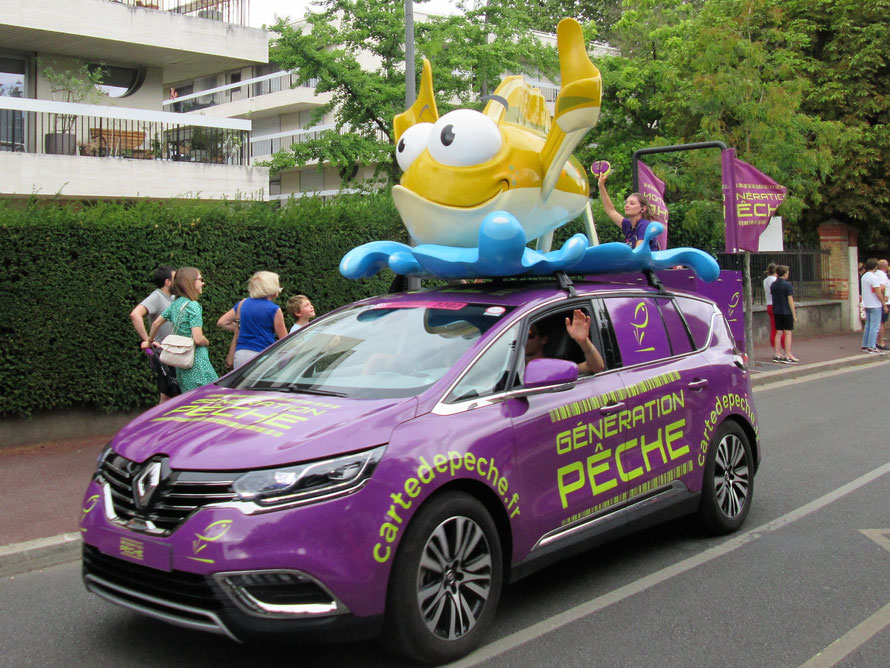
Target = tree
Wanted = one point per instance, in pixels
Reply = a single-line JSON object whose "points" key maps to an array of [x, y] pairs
{"points": [[355, 49], [730, 70], [846, 64], [599, 15]]}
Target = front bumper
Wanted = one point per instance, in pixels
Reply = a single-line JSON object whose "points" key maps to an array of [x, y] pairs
{"points": [[201, 602], [298, 570]]}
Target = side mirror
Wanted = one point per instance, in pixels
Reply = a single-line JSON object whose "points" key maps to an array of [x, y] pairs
{"points": [[546, 371]]}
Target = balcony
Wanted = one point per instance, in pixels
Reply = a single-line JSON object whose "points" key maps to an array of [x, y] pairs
{"points": [[187, 40], [90, 151], [227, 11], [266, 95]]}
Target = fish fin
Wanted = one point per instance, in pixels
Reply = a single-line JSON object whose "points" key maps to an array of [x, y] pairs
{"points": [[424, 108], [577, 105]]}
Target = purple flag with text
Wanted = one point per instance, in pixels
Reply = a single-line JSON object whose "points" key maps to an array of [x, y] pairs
{"points": [[750, 198], [652, 188]]}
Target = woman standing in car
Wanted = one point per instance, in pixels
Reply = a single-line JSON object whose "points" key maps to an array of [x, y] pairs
{"points": [[187, 317], [632, 223]]}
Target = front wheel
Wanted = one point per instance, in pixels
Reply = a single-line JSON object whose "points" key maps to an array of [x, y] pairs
{"points": [[445, 582], [728, 482]]}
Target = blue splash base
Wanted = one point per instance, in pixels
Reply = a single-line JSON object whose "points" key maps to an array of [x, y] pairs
{"points": [[502, 251]]}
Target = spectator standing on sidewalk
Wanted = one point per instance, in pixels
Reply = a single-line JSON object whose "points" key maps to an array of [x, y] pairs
{"points": [[885, 296], [187, 317], [256, 321], [152, 306], [873, 302], [767, 283], [785, 315], [300, 309]]}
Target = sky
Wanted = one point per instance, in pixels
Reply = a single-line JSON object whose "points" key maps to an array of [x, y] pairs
{"points": [[264, 11]]}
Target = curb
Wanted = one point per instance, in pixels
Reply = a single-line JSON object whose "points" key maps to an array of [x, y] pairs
{"points": [[21, 558], [762, 378]]}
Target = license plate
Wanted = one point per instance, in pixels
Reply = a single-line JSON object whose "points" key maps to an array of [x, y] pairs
{"points": [[139, 550]]}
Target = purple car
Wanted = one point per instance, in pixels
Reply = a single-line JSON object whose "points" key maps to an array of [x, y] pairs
{"points": [[385, 470]]}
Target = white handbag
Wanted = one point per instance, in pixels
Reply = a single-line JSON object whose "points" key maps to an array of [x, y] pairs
{"points": [[178, 351]]}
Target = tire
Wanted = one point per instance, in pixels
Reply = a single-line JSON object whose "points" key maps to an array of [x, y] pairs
{"points": [[446, 581], [728, 481]]}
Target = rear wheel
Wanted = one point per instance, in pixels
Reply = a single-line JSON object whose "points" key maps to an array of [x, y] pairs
{"points": [[728, 483], [445, 582]]}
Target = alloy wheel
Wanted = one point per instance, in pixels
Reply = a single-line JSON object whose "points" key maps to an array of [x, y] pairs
{"points": [[731, 475], [454, 578]]}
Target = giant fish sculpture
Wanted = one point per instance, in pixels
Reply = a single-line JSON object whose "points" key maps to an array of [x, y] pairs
{"points": [[509, 157], [478, 186]]}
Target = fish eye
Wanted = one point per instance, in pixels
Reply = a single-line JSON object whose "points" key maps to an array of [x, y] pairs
{"points": [[464, 137], [411, 144]]}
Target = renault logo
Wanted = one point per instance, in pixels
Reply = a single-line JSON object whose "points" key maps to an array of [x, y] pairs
{"points": [[145, 483]]}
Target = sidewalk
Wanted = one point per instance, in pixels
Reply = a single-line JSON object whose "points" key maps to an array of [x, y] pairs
{"points": [[41, 485]]}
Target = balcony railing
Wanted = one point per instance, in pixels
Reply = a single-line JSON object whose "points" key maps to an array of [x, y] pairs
{"points": [[264, 145], [63, 128], [227, 11], [269, 144], [242, 90]]}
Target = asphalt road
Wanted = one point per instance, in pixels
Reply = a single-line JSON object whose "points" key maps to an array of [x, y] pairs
{"points": [[805, 582]]}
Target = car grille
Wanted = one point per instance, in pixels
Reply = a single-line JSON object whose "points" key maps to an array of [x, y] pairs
{"points": [[178, 496], [186, 589]]}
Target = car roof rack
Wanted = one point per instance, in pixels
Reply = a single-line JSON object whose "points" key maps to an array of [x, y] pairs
{"points": [[565, 283], [653, 280]]}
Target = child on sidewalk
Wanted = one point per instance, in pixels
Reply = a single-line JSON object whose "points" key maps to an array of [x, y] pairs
{"points": [[301, 309]]}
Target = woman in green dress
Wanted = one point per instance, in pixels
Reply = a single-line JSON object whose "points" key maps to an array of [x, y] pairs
{"points": [[187, 317]]}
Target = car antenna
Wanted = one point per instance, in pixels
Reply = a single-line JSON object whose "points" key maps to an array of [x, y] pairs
{"points": [[565, 283]]}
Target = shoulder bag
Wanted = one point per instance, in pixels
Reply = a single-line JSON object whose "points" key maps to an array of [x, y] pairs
{"points": [[176, 350]]}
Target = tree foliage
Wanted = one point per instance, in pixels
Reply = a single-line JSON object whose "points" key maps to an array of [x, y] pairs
{"points": [[355, 50], [798, 87]]}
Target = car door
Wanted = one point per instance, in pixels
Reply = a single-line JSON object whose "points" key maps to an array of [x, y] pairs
{"points": [[667, 380], [570, 485]]}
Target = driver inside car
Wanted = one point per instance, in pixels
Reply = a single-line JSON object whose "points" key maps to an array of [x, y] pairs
{"points": [[578, 328]]}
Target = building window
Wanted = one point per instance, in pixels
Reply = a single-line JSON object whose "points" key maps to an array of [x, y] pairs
{"points": [[119, 81]]}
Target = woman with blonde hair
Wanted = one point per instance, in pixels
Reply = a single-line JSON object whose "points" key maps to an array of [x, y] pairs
{"points": [[187, 317], [257, 321]]}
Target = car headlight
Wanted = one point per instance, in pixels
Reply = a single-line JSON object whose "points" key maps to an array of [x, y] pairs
{"points": [[100, 460], [313, 481]]}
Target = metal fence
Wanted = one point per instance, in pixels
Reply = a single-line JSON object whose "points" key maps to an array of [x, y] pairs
{"points": [[807, 271], [228, 11]]}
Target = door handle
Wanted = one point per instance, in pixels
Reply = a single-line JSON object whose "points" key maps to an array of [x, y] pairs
{"points": [[612, 408], [698, 384]]}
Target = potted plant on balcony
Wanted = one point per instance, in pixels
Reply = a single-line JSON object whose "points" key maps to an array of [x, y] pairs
{"points": [[73, 84]]}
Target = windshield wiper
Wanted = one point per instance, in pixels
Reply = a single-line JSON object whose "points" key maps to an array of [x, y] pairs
{"points": [[294, 388]]}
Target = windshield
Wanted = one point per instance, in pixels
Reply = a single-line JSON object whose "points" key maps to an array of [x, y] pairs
{"points": [[390, 349]]}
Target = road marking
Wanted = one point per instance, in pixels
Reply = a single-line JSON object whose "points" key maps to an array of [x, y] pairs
{"points": [[851, 641], [544, 627], [778, 384], [880, 536]]}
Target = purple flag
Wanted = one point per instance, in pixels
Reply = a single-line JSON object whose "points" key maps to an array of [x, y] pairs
{"points": [[652, 188], [750, 198]]}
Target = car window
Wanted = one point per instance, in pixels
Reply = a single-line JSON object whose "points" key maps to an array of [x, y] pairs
{"points": [[678, 335], [698, 316], [387, 349], [639, 329], [548, 337], [490, 372]]}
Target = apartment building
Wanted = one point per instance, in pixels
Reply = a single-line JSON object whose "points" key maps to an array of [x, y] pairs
{"points": [[281, 115], [60, 137]]}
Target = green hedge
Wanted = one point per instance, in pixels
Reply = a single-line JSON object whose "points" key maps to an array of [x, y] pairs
{"points": [[72, 274]]}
